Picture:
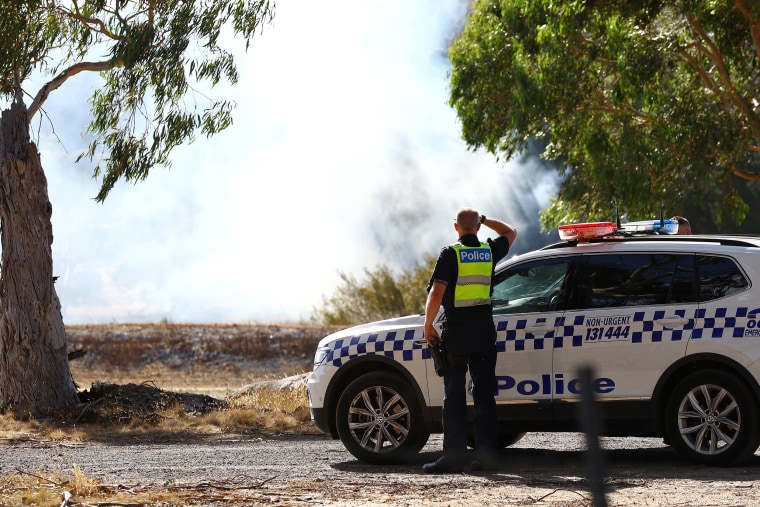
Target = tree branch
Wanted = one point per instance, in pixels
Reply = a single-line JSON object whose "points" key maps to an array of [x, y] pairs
{"points": [[741, 173], [61, 78], [707, 80], [713, 53], [754, 24], [94, 23]]}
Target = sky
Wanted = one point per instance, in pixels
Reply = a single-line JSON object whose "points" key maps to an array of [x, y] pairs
{"points": [[344, 154]]}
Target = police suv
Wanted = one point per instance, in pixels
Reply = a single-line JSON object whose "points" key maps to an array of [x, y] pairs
{"points": [[668, 324]]}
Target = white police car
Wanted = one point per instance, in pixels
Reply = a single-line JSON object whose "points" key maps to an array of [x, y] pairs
{"points": [[670, 326]]}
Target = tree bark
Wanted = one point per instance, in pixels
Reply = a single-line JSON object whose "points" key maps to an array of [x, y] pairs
{"points": [[35, 378]]}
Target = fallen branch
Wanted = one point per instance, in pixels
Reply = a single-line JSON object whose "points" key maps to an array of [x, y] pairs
{"points": [[561, 489], [216, 485], [49, 481]]}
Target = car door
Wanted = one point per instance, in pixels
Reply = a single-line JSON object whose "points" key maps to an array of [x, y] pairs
{"points": [[630, 318], [727, 311], [528, 302]]}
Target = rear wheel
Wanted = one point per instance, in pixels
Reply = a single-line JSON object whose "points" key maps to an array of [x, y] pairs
{"points": [[712, 418], [379, 419]]}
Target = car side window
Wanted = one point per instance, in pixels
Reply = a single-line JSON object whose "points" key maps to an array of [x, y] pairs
{"points": [[537, 286], [615, 280], [719, 277]]}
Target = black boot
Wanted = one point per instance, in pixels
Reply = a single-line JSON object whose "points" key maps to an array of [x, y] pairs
{"points": [[443, 466]]}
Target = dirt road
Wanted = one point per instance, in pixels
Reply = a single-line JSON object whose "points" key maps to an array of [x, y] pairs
{"points": [[541, 469]]}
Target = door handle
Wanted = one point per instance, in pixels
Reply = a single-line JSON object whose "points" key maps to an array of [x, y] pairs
{"points": [[538, 329], [674, 321]]}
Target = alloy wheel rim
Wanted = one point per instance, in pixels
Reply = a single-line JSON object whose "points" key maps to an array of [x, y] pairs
{"points": [[709, 419], [379, 419]]}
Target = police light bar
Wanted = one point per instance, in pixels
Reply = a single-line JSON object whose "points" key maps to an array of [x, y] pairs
{"points": [[588, 230], [596, 230], [651, 227]]}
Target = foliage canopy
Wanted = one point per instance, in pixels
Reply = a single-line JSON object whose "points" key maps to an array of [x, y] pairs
{"points": [[643, 105], [152, 55]]}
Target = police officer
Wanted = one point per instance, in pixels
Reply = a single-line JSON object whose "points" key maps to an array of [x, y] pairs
{"points": [[461, 282]]}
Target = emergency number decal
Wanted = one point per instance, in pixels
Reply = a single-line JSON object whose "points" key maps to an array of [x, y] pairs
{"points": [[612, 328], [753, 325]]}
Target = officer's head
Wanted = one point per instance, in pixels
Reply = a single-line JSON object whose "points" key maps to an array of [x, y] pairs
{"points": [[684, 227], [467, 222]]}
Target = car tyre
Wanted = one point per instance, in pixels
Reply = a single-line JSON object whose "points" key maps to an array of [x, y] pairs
{"points": [[379, 419], [712, 418]]}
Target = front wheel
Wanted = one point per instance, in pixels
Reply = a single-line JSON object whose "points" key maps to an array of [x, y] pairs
{"points": [[379, 419], [712, 418]]}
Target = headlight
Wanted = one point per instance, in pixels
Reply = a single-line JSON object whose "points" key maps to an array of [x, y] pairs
{"points": [[320, 356]]}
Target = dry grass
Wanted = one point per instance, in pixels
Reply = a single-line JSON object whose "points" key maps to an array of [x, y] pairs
{"points": [[75, 488], [212, 360], [123, 347], [205, 359]]}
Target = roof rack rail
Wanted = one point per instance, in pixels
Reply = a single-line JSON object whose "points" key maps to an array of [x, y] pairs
{"points": [[727, 240]]}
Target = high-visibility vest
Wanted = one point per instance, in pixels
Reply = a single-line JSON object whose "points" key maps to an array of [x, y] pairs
{"points": [[475, 264]]}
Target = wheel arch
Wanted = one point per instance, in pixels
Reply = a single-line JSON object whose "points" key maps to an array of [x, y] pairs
{"points": [[687, 365], [360, 366]]}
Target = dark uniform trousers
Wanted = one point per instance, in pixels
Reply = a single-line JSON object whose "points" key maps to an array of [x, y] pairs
{"points": [[481, 365]]}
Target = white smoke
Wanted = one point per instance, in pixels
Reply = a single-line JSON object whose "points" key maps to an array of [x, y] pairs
{"points": [[343, 154]]}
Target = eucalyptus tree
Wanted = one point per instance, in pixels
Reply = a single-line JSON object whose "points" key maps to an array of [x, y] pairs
{"points": [[151, 56], [643, 105]]}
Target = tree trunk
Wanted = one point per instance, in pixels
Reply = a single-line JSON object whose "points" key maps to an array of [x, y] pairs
{"points": [[35, 378]]}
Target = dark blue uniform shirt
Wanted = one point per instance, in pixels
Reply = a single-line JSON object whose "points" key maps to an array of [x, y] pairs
{"points": [[468, 329]]}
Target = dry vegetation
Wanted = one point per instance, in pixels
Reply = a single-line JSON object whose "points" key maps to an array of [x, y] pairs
{"points": [[158, 379], [214, 357], [165, 371], [78, 490]]}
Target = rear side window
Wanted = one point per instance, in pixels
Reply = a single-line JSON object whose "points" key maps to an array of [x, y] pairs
{"points": [[719, 277], [617, 280]]}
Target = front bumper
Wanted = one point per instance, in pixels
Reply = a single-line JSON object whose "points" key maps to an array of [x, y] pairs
{"points": [[319, 418]]}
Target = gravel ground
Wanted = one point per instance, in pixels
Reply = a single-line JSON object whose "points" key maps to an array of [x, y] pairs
{"points": [[307, 470], [541, 469]]}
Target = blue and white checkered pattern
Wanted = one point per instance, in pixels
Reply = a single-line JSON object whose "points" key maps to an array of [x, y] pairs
{"points": [[397, 345], [712, 323], [402, 345]]}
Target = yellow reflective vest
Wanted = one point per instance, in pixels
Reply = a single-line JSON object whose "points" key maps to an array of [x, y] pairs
{"points": [[475, 265]]}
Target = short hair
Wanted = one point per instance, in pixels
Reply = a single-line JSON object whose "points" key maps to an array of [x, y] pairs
{"points": [[684, 227], [468, 219]]}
